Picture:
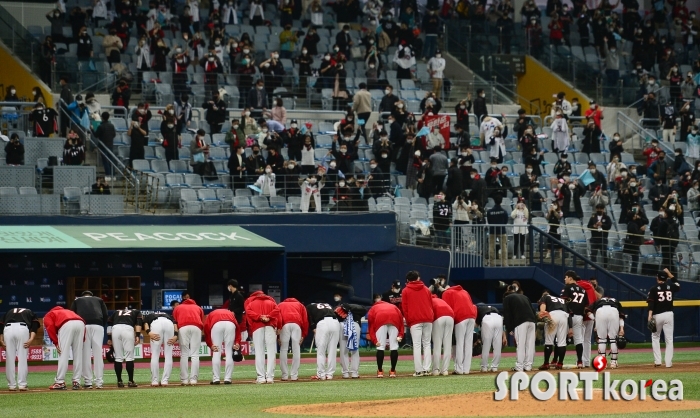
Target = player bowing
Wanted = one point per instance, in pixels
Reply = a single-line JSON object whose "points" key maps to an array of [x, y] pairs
{"points": [[220, 328], [554, 308], [385, 324], [323, 321], [17, 330], [67, 332], [162, 331], [123, 335], [609, 323], [295, 326]]}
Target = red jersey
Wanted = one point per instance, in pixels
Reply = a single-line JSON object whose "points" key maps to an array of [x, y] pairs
{"points": [[461, 303], [590, 292], [219, 315], [416, 303], [257, 305], [294, 312], [54, 320], [383, 313], [441, 308], [189, 313], [652, 155]]}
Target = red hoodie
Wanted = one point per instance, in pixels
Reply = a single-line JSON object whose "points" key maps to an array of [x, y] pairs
{"points": [[219, 315], [189, 313], [257, 305], [461, 303], [294, 312], [441, 308], [590, 292], [380, 314], [54, 320], [416, 304]]}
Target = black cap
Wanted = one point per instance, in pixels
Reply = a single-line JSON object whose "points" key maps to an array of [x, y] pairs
{"points": [[564, 155], [397, 283], [293, 121], [662, 275], [233, 282]]}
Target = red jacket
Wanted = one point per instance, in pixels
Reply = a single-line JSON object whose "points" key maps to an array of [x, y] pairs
{"points": [[189, 313], [257, 305], [294, 312], [416, 304], [54, 320], [460, 302], [219, 315], [383, 313], [590, 292], [441, 308], [652, 155]]}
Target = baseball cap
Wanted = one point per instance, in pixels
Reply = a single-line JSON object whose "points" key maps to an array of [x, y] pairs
{"points": [[397, 283], [662, 275]]}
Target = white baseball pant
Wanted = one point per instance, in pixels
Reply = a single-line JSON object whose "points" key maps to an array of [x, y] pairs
{"points": [[525, 346], [15, 337], [443, 328], [560, 331], [70, 336], [123, 342], [664, 322], [265, 341], [190, 338], [327, 336], [349, 360], [291, 332], [464, 336], [420, 334], [165, 330], [92, 347], [223, 332], [587, 335], [577, 326], [607, 324], [387, 333], [491, 336]]}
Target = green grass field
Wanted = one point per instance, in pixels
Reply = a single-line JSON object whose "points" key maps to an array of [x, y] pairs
{"points": [[248, 400]]}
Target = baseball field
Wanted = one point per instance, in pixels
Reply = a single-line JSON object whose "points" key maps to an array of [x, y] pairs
{"points": [[405, 396]]}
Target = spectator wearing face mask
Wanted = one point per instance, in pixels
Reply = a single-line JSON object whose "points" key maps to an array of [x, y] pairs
{"points": [[436, 66], [693, 139], [591, 138], [497, 217], [599, 178], [389, 100], [497, 143], [616, 145], [311, 193], [572, 193], [693, 197], [266, 182], [479, 192], [658, 169], [430, 103], [535, 160], [630, 195], [560, 133], [599, 224], [528, 141], [521, 218], [596, 112], [393, 295], [614, 170]]}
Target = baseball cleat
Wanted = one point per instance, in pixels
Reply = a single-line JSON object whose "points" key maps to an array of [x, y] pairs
{"points": [[131, 384], [559, 366], [270, 381], [380, 374], [613, 364], [528, 369], [417, 374], [436, 372], [315, 377], [155, 385], [579, 365], [392, 374], [58, 386], [227, 382], [23, 389], [544, 367], [484, 370], [121, 384], [215, 383], [657, 365], [494, 369], [346, 376], [445, 373], [456, 372], [87, 386], [98, 386], [12, 389], [355, 377], [76, 386], [426, 373]]}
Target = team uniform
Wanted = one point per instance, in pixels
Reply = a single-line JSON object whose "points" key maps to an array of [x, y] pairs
{"points": [[588, 322], [385, 325], [576, 302], [94, 312], [322, 318], [190, 322], [221, 328], [295, 326], [491, 323], [519, 318], [123, 333], [557, 310], [17, 327], [608, 321], [45, 122], [349, 341], [417, 309], [465, 315], [163, 325], [660, 301], [66, 331], [443, 327], [264, 332]]}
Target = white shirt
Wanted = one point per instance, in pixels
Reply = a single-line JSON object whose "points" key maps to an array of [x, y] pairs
{"points": [[437, 66], [307, 156]]}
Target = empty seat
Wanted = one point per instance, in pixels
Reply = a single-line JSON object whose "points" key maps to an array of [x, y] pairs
{"points": [[143, 166], [179, 166], [261, 204], [242, 204], [8, 190], [210, 202], [189, 203]]}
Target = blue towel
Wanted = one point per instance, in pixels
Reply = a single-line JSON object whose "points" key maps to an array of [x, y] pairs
{"points": [[586, 178], [423, 131], [350, 334]]}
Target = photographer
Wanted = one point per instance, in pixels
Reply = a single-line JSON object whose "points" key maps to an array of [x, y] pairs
{"points": [[438, 285], [138, 141], [599, 196], [630, 195], [14, 151], [573, 191], [461, 208], [599, 224], [636, 228], [554, 217]]}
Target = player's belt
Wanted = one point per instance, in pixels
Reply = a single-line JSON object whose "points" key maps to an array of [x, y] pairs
{"points": [[329, 316], [22, 324]]}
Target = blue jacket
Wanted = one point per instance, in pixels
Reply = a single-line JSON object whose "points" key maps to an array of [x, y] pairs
{"points": [[497, 216]]}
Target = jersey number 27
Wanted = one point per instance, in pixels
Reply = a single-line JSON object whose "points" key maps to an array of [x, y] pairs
{"points": [[578, 297], [665, 296]]}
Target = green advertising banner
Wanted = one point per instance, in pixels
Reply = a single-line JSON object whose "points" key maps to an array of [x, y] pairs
{"points": [[126, 237]]}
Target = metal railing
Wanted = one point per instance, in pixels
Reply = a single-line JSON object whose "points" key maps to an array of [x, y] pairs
{"points": [[16, 37]]}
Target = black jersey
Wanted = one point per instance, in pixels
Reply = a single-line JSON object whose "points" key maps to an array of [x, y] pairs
{"points": [[92, 309], [606, 301], [130, 317], [44, 121], [552, 303], [149, 317], [483, 310], [358, 312], [22, 316], [575, 297], [660, 297], [318, 311]]}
